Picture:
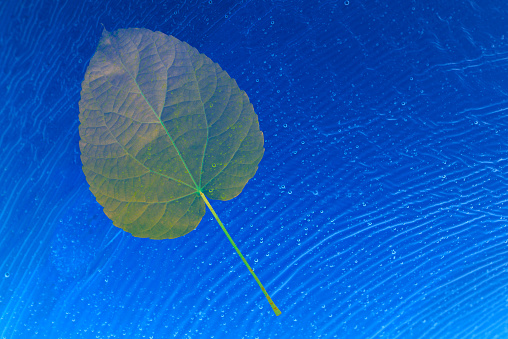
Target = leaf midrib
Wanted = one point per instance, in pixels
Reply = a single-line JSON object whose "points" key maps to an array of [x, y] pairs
{"points": [[160, 121]]}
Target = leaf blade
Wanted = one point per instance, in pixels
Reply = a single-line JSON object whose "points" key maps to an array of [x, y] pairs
{"points": [[158, 121]]}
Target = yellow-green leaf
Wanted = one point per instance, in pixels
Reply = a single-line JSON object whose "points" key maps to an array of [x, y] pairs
{"points": [[163, 127]]}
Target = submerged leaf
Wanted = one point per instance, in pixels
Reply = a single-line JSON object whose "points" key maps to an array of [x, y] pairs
{"points": [[161, 123]]}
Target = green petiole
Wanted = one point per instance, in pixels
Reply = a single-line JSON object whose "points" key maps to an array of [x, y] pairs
{"points": [[272, 304]]}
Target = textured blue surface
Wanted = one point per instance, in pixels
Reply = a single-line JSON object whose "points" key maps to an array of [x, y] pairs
{"points": [[379, 209]]}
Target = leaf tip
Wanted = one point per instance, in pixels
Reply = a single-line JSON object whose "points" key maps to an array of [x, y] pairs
{"points": [[105, 32]]}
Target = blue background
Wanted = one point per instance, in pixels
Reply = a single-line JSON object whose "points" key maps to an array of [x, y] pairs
{"points": [[378, 211]]}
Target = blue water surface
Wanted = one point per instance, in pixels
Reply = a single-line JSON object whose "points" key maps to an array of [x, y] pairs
{"points": [[379, 209]]}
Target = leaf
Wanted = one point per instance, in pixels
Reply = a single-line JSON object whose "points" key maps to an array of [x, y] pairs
{"points": [[161, 126], [161, 123]]}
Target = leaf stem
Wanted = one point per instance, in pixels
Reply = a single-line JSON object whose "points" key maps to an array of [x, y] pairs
{"points": [[272, 304]]}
